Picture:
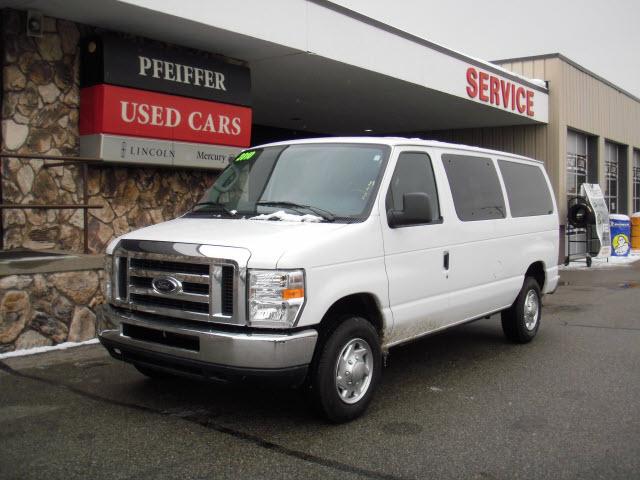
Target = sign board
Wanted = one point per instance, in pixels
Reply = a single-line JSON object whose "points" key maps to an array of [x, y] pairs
{"points": [[124, 149], [500, 92], [594, 195], [125, 111], [129, 63]]}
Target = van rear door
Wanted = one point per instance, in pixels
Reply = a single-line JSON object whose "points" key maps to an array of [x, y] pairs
{"points": [[476, 249]]}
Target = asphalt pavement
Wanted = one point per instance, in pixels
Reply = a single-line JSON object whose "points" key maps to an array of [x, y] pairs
{"points": [[463, 404]]}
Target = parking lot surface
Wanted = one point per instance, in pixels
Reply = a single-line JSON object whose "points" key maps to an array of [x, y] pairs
{"points": [[460, 404]]}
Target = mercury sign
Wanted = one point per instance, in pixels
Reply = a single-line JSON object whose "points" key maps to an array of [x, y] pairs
{"points": [[162, 106], [119, 148]]}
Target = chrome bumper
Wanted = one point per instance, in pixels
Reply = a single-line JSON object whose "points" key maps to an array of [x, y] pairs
{"points": [[208, 346]]}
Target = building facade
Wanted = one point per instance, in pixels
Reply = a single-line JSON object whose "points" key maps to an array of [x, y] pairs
{"points": [[593, 133], [159, 128]]}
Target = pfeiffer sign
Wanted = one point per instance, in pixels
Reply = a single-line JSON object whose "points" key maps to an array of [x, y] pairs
{"points": [[491, 89], [132, 90], [127, 63]]}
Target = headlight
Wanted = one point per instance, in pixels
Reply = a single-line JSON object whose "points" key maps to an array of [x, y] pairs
{"points": [[275, 297], [108, 273]]}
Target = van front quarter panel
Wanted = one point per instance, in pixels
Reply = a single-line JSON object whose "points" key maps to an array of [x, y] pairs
{"points": [[349, 261]]}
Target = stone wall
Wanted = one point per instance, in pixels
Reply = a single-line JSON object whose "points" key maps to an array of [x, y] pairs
{"points": [[40, 111], [46, 309]]}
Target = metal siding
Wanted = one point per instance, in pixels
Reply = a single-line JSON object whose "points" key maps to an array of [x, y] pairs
{"points": [[577, 100]]}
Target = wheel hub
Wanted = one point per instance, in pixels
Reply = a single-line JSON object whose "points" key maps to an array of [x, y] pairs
{"points": [[353, 370], [531, 310]]}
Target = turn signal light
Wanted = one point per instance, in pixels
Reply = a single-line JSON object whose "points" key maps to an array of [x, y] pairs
{"points": [[290, 293]]}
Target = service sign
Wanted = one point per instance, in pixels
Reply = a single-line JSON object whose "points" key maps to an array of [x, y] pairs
{"points": [[500, 92], [124, 149], [130, 63], [117, 110]]}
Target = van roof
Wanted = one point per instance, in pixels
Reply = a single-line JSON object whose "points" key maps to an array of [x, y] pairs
{"points": [[400, 142]]}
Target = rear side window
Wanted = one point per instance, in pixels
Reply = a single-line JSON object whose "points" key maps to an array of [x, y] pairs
{"points": [[527, 189], [413, 173], [475, 187]]}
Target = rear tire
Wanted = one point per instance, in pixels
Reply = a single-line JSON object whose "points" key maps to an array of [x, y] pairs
{"points": [[521, 321], [347, 372]]}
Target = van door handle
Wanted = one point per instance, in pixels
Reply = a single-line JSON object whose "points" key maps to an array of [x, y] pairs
{"points": [[445, 260]]}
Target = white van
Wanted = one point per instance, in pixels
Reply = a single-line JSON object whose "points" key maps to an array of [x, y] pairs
{"points": [[307, 260]]}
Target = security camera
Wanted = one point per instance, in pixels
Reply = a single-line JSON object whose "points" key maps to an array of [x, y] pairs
{"points": [[35, 24]]}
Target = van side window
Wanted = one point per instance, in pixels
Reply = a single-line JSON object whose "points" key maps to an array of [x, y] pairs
{"points": [[475, 187], [527, 189], [413, 173]]}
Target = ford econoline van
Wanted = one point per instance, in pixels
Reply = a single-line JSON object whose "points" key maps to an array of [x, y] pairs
{"points": [[307, 260]]}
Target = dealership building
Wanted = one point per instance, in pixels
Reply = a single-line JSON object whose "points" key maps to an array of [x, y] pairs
{"points": [[118, 114]]}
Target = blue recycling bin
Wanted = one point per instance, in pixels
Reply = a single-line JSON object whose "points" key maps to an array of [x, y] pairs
{"points": [[620, 235]]}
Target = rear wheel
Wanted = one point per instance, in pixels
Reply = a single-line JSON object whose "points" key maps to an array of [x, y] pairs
{"points": [[347, 371], [521, 321]]}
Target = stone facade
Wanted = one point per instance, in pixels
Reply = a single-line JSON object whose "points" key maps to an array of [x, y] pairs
{"points": [[40, 111], [46, 309]]}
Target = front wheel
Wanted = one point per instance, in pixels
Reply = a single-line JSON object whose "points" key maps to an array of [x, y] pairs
{"points": [[347, 371], [521, 321]]}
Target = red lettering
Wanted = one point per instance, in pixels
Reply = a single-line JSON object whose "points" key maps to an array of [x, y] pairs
{"points": [[472, 76], [504, 89], [114, 110], [494, 90], [530, 103], [483, 86], [520, 94]]}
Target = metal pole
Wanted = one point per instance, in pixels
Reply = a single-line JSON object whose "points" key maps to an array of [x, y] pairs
{"points": [[1, 211], [66, 158], [85, 212]]}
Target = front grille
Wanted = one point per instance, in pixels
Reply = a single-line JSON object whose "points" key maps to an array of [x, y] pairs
{"points": [[227, 291], [204, 289], [170, 303], [122, 277], [178, 340], [171, 267]]}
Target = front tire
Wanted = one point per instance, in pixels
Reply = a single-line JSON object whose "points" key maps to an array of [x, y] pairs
{"points": [[521, 321], [348, 370]]}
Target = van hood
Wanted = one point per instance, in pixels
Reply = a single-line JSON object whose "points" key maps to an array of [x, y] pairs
{"points": [[265, 240]]}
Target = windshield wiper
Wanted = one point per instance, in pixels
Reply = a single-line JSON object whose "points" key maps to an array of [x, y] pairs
{"points": [[220, 208], [324, 214]]}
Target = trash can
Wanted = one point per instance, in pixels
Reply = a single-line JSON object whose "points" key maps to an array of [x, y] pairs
{"points": [[635, 231], [620, 235]]}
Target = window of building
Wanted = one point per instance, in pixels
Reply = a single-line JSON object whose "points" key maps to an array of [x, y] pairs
{"points": [[475, 187], [636, 181], [413, 173], [527, 189], [582, 165], [615, 177]]}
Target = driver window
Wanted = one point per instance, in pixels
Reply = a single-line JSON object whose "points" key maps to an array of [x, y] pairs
{"points": [[413, 173]]}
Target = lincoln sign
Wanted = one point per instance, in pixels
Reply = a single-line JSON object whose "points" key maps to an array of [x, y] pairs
{"points": [[167, 107]]}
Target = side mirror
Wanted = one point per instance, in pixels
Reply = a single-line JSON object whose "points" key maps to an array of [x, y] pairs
{"points": [[417, 210]]}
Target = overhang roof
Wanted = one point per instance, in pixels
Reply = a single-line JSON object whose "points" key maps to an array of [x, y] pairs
{"points": [[315, 65]]}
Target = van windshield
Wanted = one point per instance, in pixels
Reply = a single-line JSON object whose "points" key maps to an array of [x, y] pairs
{"points": [[310, 182]]}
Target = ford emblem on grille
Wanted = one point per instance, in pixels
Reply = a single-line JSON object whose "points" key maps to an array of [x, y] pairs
{"points": [[165, 284]]}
